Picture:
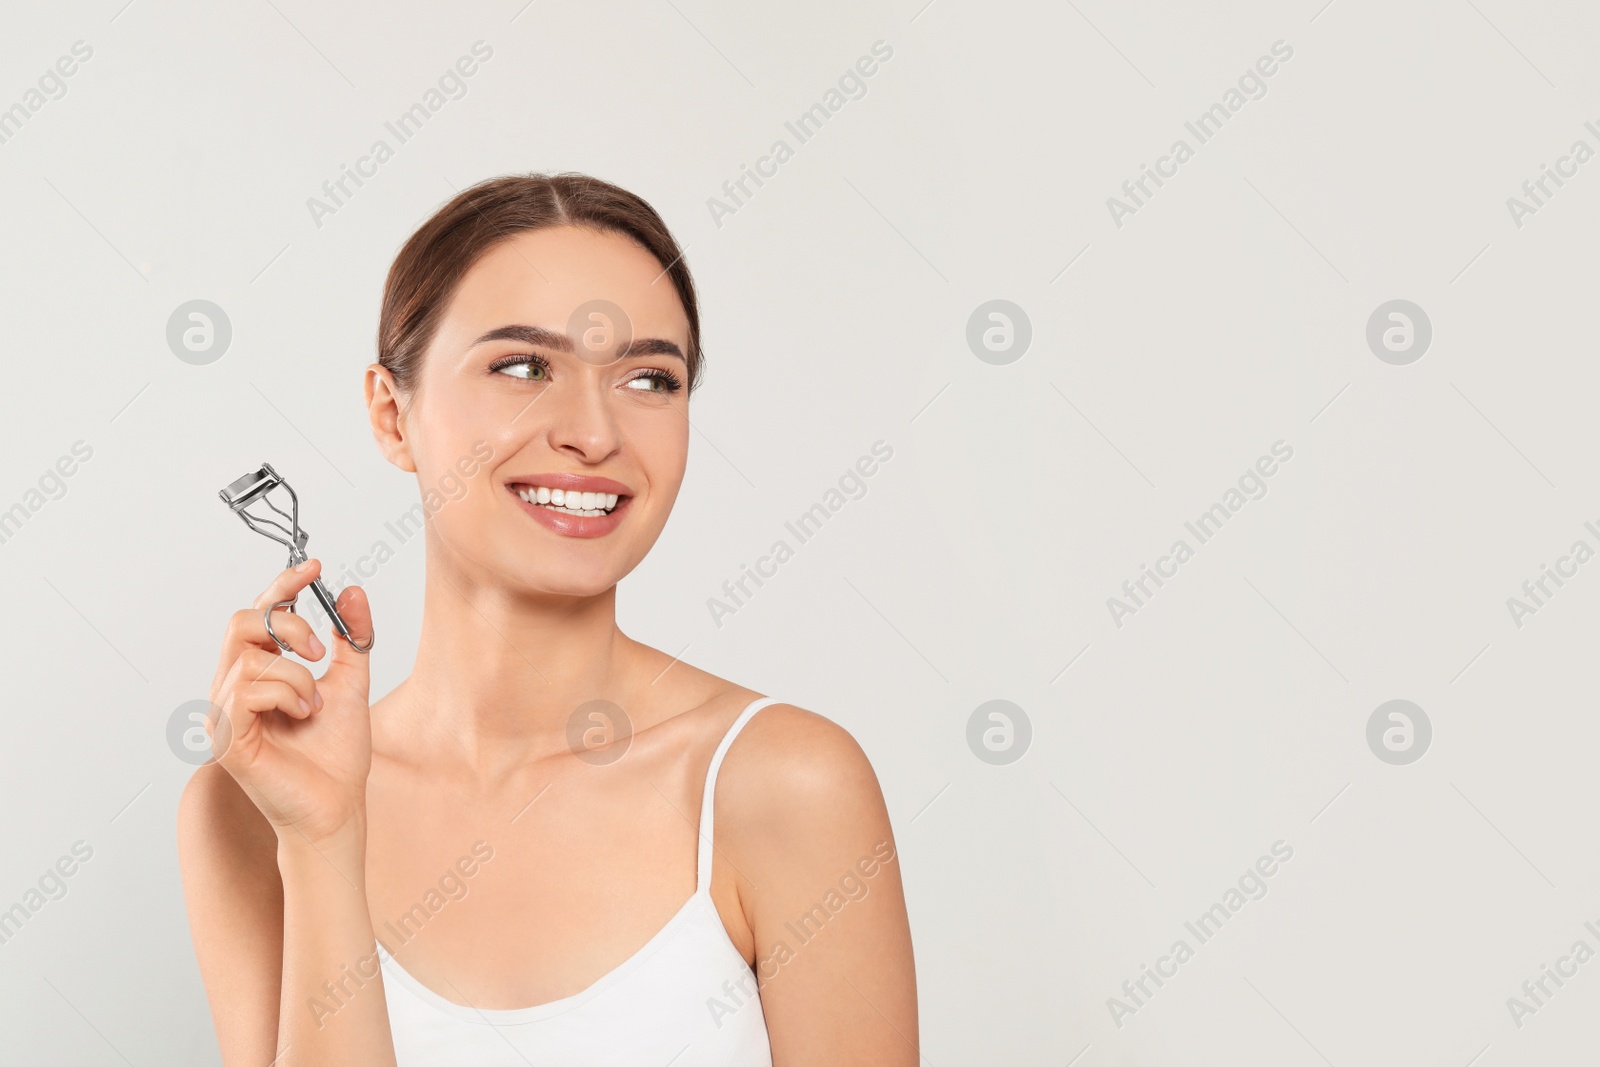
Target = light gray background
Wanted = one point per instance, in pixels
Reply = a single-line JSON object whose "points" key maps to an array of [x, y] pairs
{"points": [[1167, 355]]}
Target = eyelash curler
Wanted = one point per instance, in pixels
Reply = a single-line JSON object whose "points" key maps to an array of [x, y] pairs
{"points": [[254, 488]]}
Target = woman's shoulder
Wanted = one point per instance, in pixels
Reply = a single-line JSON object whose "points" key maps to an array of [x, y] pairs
{"points": [[802, 825], [792, 748], [792, 771]]}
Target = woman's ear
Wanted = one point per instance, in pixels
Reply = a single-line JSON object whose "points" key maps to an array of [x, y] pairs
{"points": [[386, 410]]}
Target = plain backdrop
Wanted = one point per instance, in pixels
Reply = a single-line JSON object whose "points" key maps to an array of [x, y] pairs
{"points": [[1174, 342]]}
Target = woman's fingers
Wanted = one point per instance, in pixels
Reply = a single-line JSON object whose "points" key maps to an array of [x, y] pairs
{"points": [[289, 582], [240, 708], [267, 694], [255, 666], [247, 628], [348, 667]]}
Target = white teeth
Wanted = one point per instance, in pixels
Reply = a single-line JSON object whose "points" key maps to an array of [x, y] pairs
{"points": [[585, 505]]}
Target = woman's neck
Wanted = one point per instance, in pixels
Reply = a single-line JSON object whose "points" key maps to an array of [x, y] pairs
{"points": [[499, 675]]}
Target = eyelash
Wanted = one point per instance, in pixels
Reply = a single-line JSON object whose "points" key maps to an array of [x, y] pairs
{"points": [[670, 382]]}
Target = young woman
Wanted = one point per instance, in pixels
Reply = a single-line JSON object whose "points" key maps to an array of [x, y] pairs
{"points": [[550, 844]]}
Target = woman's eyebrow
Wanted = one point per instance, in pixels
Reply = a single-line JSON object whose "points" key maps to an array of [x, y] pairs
{"points": [[543, 338], [652, 346], [528, 335]]}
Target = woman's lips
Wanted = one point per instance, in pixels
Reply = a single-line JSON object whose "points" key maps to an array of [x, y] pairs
{"points": [[568, 524]]}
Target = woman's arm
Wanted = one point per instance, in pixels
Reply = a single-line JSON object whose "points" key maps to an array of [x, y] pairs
{"points": [[273, 844], [819, 881], [333, 1009], [228, 855]]}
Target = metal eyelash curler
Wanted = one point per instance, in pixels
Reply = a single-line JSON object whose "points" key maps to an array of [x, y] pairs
{"points": [[254, 487]]}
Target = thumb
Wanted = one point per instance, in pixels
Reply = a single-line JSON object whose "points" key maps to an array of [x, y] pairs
{"points": [[348, 667]]}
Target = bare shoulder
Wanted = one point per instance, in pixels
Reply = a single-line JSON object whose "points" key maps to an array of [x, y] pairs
{"points": [[797, 749], [792, 774], [809, 840]]}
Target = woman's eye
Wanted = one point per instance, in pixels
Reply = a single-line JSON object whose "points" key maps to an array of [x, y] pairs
{"points": [[525, 369], [654, 383]]}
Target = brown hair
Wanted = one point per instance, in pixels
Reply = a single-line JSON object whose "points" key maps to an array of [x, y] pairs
{"points": [[423, 278]]}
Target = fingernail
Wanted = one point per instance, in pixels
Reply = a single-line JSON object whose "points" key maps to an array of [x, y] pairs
{"points": [[316, 647], [303, 566], [318, 695], [305, 706]]}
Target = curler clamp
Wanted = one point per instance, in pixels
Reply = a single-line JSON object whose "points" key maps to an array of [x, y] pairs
{"points": [[253, 489]]}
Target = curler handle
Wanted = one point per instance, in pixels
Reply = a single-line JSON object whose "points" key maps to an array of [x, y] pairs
{"points": [[326, 599]]}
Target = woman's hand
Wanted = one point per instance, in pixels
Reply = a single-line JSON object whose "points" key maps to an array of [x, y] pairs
{"points": [[299, 747]]}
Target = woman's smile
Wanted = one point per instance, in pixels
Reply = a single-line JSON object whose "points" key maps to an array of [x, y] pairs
{"points": [[572, 505]]}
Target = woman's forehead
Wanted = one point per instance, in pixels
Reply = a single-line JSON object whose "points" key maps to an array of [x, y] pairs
{"points": [[549, 274]]}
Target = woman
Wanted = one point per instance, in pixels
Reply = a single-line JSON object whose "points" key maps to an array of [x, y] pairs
{"points": [[550, 843]]}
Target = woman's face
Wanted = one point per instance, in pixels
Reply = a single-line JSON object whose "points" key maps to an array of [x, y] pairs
{"points": [[550, 414]]}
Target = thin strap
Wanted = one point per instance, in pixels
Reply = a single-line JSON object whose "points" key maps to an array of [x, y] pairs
{"points": [[705, 846]]}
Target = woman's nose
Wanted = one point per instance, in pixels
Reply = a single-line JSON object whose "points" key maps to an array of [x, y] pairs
{"points": [[581, 422]]}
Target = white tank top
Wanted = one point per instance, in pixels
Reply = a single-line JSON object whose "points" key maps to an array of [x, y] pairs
{"points": [[686, 998]]}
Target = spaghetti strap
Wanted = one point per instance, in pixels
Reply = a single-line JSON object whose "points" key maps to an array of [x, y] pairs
{"points": [[704, 848]]}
